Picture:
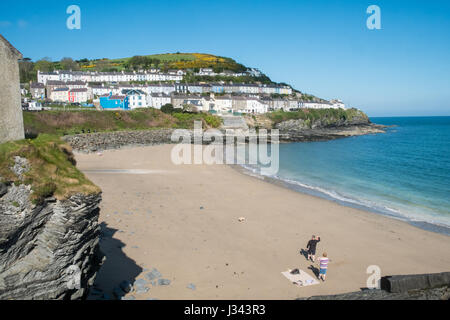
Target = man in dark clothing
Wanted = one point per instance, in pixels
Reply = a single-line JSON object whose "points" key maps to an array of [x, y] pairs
{"points": [[311, 246]]}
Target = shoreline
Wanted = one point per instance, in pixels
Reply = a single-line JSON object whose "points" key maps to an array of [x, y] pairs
{"points": [[183, 221], [422, 224]]}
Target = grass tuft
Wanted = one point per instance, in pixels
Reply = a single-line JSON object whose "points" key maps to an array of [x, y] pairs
{"points": [[52, 170]]}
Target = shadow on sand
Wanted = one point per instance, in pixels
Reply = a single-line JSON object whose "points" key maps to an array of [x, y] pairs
{"points": [[116, 269], [304, 253], [315, 270]]}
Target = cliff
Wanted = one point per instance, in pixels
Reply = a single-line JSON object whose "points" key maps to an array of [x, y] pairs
{"points": [[49, 230]]}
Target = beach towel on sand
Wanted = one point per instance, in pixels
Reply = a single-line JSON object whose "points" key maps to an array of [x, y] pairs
{"points": [[302, 279]]}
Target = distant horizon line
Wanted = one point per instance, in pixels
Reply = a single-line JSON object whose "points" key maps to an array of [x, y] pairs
{"points": [[446, 116]]}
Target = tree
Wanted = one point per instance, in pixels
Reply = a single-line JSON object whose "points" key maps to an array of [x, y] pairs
{"points": [[69, 64], [44, 65], [101, 64], [26, 70]]}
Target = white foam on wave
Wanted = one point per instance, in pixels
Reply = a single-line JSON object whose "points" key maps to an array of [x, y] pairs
{"points": [[404, 215]]}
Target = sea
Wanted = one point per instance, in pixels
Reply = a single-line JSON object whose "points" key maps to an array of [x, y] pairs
{"points": [[403, 173]]}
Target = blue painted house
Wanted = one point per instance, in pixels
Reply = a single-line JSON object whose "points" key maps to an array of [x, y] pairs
{"points": [[217, 88], [114, 102]]}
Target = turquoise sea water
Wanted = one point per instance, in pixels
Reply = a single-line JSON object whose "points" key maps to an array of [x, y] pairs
{"points": [[404, 173]]}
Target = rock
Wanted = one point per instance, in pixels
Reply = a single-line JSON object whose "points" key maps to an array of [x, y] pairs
{"points": [[140, 286], [191, 286], [126, 286], [400, 284], [403, 287], [48, 251], [118, 292], [154, 274], [21, 166], [129, 298], [164, 282], [3, 189], [97, 142]]}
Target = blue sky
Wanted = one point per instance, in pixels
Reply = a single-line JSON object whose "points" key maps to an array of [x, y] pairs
{"points": [[320, 47]]}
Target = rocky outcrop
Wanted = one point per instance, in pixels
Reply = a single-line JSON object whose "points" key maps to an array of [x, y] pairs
{"points": [[402, 284], [50, 250], [114, 140], [408, 287], [288, 134], [326, 127], [48, 247]]}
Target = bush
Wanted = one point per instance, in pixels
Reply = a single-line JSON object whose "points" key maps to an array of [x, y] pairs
{"points": [[167, 108]]}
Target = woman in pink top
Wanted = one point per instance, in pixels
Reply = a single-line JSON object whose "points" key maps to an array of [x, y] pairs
{"points": [[323, 262]]}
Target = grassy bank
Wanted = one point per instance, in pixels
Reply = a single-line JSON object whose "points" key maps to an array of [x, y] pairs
{"points": [[326, 116], [52, 169], [72, 122]]}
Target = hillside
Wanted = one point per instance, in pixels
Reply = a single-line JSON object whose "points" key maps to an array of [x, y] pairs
{"points": [[74, 122], [164, 61]]}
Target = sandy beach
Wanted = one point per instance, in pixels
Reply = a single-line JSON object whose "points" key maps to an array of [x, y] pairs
{"points": [[183, 221]]}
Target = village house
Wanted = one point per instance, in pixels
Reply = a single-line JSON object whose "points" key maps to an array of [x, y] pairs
{"points": [[23, 90], [37, 90], [199, 88], [100, 90], [79, 95], [239, 103], [336, 104], [136, 98], [157, 100], [165, 88], [206, 72], [59, 94], [181, 88], [314, 105], [193, 105], [223, 104], [178, 100], [114, 102], [255, 105]]}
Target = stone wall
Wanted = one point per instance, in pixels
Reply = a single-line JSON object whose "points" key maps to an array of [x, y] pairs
{"points": [[11, 119]]}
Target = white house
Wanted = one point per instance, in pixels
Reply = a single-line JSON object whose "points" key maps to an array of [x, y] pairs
{"points": [[337, 104], [255, 105], [314, 105], [206, 72], [60, 95], [157, 100], [136, 98], [223, 104]]}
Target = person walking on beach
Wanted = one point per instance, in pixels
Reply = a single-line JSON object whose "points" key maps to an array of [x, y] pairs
{"points": [[311, 246], [323, 263]]}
